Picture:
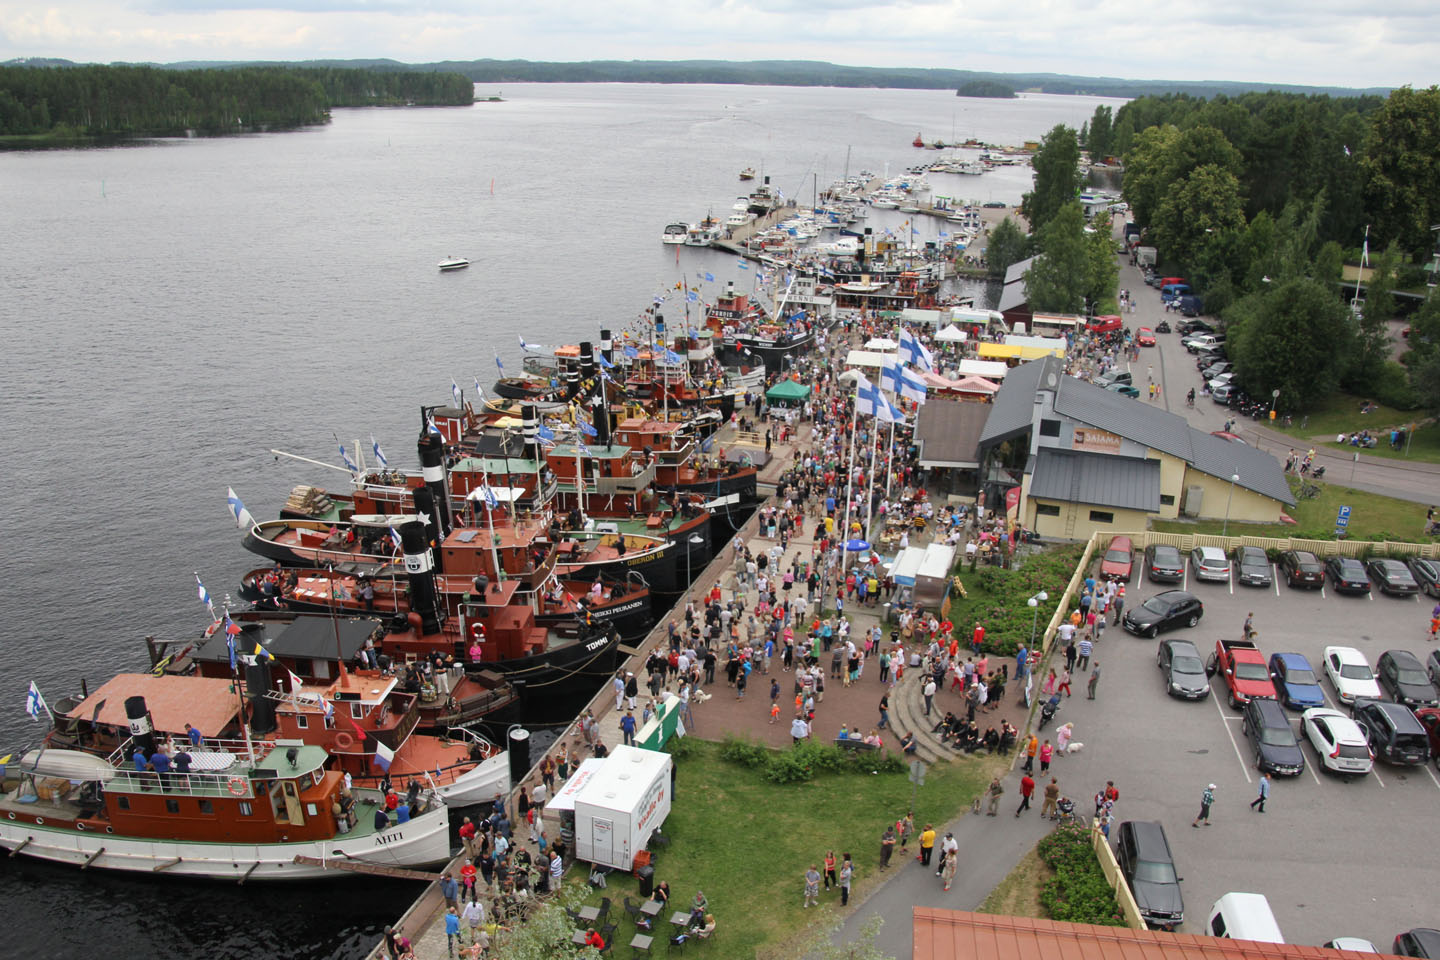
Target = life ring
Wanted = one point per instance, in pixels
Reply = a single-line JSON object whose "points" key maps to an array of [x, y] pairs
{"points": [[237, 786], [477, 631], [12, 816], [80, 826], [39, 821], [343, 741]]}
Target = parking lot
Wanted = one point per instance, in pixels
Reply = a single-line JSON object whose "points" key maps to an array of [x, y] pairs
{"points": [[1335, 858]]}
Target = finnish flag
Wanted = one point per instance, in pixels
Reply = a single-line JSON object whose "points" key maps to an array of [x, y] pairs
{"points": [[379, 454], [243, 519]]}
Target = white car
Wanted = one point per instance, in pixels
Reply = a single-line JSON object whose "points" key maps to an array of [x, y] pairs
{"points": [[1338, 740], [1350, 674], [1353, 944]]}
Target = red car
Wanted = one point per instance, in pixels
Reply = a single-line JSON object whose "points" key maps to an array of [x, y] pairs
{"points": [[1145, 337], [1119, 559]]}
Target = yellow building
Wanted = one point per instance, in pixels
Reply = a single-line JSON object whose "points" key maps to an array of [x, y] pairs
{"points": [[1099, 461]]}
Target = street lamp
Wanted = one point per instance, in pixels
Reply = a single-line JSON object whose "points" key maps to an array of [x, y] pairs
{"points": [[694, 539], [1225, 528], [1034, 603]]}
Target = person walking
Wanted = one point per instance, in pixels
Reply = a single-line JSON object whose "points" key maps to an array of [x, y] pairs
{"points": [[1118, 606], [1052, 797], [847, 871], [1094, 681], [997, 789], [1027, 787], [1206, 799], [927, 844], [929, 693], [1046, 752], [948, 871], [949, 849], [1032, 747], [884, 712], [1064, 683], [1259, 801], [1248, 630], [1084, 648], [887, 848]]}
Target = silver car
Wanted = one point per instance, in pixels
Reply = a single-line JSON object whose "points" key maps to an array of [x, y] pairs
{"points": [[1209, 563]]}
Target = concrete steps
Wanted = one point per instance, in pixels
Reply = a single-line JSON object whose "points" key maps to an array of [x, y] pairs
{"points": [[907, 715]]}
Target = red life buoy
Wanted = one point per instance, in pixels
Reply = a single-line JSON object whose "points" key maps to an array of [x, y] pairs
{"points": [[477, 631], [343, 741], [238, 786]]}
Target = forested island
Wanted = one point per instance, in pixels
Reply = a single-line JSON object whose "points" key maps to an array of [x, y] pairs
{"points": [[992, 89], [101, 102]]}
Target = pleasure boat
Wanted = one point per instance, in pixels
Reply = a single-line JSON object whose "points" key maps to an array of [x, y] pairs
{"points": [[747, 174], [454, 263], [675, 233]]}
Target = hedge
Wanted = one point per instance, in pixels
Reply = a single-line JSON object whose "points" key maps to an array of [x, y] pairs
{"points": [[1079, 892]]}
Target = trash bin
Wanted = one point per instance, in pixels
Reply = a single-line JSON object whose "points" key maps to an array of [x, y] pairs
{"points": [[647, 880]]}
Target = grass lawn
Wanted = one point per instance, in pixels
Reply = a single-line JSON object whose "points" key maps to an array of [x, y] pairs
{"points": [[1423, 445], [1018, 895], [1340, 413], [1372, 517], [747, 843]]}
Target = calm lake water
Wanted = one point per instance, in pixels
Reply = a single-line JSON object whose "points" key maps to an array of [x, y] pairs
{"points": [[173, 310]]}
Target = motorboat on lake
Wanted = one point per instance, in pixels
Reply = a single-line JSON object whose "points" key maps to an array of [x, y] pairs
{"points": [[454, 263]]}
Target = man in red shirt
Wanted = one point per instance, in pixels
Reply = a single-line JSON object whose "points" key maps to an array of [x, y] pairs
{"points": [[979, 637], [1027, 787], [593, 939], [467, 837]]}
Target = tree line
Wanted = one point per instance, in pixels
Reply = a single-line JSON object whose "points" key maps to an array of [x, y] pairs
{"points": [[1260, 201], [117, 101]]}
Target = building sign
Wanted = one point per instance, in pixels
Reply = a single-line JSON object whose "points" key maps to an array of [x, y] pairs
{"points": [[1091, 440]]}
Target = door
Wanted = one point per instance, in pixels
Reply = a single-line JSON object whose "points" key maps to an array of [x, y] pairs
{"points": [[294, 812], [603, 832]]}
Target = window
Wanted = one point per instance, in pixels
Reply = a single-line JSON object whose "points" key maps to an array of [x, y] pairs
{"points": [[1166, 500], [245, 809], [1049, 428], [123, 802], [357, 711], [206, 807], [302, 721], [311, 810], [1047, 510], [172, 806], [1101, 516]]}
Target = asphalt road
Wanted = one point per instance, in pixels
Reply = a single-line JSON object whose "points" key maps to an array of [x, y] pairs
{"points": [[1335, 858]]}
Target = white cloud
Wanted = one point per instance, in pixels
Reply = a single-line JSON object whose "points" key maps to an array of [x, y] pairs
{"points": [[1326, 42]]}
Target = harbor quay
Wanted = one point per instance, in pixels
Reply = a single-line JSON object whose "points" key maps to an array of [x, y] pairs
{"points": [[767, 707]]}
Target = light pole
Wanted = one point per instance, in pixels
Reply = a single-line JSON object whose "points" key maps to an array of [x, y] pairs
{"points": [[1225, 528], [1034, 604], [694, 539]]}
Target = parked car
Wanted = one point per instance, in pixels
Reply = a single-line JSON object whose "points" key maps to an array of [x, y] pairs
{"points": [[1432, 667], [1119, 560], [1393, 732], [1184, 671], [1338, 741], [1350, 674], [1392, 577], [1401, 676], [1429, 718], [1300, 568], [1295, 682], [1221, 368], [1163, 564], [1252, 566], [1220, 392], [1162, 612], [1353, 944], [1195, 341], [1209, 563], [1145, 337], [1188, 327], [1232, 438], [1149, 869], [1276, 749], [1347, 575], [1427, 575], [1420, 942], [1125, 390]]}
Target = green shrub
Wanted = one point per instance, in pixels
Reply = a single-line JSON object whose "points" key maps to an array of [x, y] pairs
{"points": [[744, 751], [681, 747], [1392, 388], [803, 762], [1079, 892], [997, 597]]}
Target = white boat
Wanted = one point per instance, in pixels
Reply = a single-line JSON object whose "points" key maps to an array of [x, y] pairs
{"points": [[454, 263], [702, 234], [675, 233], [909, 208], [739, 218], [883, 202]]}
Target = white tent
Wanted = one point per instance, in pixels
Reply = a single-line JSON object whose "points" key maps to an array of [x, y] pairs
{"points": [[990, 369], [869, 358], [881, 343], [952, 334]]}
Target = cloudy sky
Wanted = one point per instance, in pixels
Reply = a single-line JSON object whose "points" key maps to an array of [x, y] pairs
{"points": [[1280, 41]]}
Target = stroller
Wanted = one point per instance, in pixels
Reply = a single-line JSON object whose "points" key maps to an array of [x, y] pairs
{"points": [[1065, 811]]}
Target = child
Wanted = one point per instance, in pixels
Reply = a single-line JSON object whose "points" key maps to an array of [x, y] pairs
{"points": [[774, 711]]}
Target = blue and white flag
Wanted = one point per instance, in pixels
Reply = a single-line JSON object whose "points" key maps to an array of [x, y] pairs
{"points": [[205, 596], [499, 364], [394, 537], [709, 278], [659, 299], [907, 383], [604, 364], [34, 703], [870, 402], [328, 707], [533, 347], [379, 454], [545, 435], [944, 234], [383, 755], [580, 447], [631, 352], [585, 427], [691, 296], [743, 264], [455, 392], [349, 463], [431, 428], [913, 352], [672, 358], [243, 519], [491, 500], [479, 391]]}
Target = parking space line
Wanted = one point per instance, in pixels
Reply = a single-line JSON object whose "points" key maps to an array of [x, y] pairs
{"points": [[1375, 772], [1275, 571], [1433, 779], [1232, 584], [1225, 722], [1311, 767], [1322, 591]]}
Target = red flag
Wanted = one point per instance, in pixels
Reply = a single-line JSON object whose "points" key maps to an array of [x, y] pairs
{"points": [[359, 730]]}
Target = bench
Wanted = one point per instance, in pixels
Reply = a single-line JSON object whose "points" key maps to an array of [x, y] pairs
{"points": [[850, 743]]}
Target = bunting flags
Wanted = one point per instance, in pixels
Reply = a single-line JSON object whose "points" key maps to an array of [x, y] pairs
{"points": [[261, 653], [243, 519], [379, 454]]}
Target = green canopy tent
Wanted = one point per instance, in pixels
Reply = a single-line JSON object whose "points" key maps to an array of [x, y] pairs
{"points": [[788, 392]]}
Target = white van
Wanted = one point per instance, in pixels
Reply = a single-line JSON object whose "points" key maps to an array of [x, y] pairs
{"points": [[1244, 916]]}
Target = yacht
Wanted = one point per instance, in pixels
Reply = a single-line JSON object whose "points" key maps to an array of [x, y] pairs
{"points": [[675, 233], [454, 263]]}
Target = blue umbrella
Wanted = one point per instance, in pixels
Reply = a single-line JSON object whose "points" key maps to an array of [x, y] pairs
{"points": [[855, 546]]}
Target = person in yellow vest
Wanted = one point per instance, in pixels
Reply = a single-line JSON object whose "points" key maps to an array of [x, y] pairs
{"points": [[927, 844]]}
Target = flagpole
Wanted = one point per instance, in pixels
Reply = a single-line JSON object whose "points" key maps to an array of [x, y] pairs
{"points": [[239, 693], [849, 485], [490, 517]]}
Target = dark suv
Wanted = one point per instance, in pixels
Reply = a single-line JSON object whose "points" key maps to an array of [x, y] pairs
{"points": [[1401, 675], [1420, 942], [1393, 731], [1276, 749], [1301, 568], [1144, 857]]}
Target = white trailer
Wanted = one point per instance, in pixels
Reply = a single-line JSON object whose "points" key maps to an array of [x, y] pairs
{"points": [[623, 803]]}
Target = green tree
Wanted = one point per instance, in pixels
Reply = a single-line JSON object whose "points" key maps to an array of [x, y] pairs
{"points": [[1401, 168], [1147, 171], [1423, 358], [1294, 337], [1060, 278], [1007, 244], [1100, 138], [1102, 271], [1057, 177], [1199, 211], [1372, 335]]}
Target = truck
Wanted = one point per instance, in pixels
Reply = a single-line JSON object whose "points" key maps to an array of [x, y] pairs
{"points": [[618, 809], [1145, 257], [1243, 667]]}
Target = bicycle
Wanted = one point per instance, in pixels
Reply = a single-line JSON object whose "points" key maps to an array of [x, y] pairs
{"points": [[1307, 491]]}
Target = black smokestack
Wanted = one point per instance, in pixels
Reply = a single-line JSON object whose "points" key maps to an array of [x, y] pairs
{"points": [[140, 729], [420, 569], [432, 467]]}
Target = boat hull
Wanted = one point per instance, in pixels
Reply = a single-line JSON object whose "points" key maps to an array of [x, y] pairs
{"points": [[423, 841]]}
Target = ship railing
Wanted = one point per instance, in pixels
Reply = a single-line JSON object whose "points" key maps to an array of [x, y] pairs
{"points": [[631, 484]]}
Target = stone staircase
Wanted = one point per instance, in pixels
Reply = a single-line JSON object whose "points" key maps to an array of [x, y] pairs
{"points": [[907, 715]]}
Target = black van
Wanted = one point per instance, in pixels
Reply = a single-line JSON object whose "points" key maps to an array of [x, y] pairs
{"points": [[1394, 733], [1149, 869]]}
